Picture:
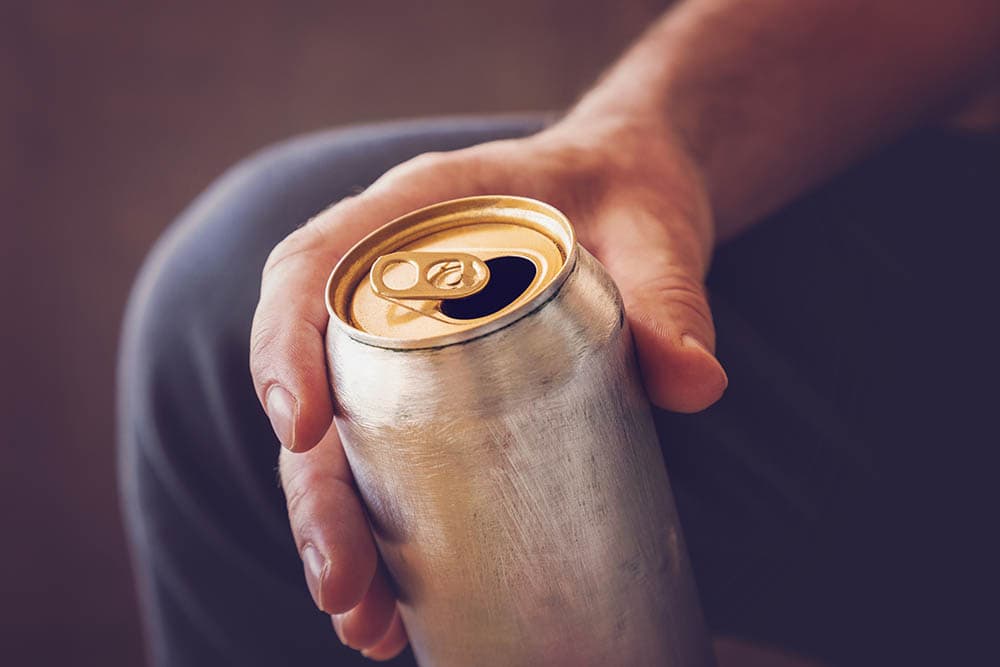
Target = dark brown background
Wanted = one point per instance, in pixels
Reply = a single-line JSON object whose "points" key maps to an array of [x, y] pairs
{"points": [[115, 115]]}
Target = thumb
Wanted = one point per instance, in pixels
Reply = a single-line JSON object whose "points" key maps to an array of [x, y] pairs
{"points": [[659, 269]]}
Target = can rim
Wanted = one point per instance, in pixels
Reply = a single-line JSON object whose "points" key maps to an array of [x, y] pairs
{"points": [[482, 201]]}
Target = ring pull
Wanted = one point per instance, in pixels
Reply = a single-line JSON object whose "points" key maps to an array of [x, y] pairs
{"points": [[428, 275]]}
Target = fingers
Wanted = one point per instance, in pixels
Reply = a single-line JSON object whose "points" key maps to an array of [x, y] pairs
{"points": [[287, 351], [657, 266], [678, 368], [337, 549], [288, 364], [329, 525], [391, 644], [364, 626]]}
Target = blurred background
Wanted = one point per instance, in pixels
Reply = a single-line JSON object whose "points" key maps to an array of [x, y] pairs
{"points": [[114, 116]]}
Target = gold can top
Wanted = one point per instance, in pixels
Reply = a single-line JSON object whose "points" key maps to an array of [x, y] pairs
{"points": [[450, 272]]}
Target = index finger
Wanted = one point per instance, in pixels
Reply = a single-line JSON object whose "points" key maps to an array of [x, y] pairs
{"points": [[287, 345], [287, 348], [287, 340]]}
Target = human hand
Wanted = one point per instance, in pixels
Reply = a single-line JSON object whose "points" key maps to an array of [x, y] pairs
{"points": [[637, 203]]}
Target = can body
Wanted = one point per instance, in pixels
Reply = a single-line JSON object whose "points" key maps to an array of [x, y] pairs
{"points": [[517, 493]]}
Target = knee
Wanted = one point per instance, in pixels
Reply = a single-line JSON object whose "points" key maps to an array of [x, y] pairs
{"points": [[189, 311], [187, 322], [171, 336]]}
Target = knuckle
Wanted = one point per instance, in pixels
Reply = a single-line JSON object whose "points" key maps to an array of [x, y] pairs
{"points": [[424, 163], [343, 202], [308, 486], [574, 179], [684, 291], [265, 337], [678, 285], [294, 495], [297, 483], [328, 218], [426, 160], [302, 241]]}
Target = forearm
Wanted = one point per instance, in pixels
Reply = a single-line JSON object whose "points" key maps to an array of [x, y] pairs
{"points": [[769, 97]]}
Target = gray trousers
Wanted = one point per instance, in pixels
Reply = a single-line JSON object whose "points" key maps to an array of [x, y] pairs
{"points": [[836, 501]]}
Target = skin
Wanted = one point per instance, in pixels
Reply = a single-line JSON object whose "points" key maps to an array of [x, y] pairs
{"points": [[720, 114]]}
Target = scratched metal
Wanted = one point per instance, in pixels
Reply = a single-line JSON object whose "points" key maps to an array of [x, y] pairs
{"points": [[517, 492]]}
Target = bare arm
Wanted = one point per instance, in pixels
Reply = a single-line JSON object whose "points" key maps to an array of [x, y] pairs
{"points": [[772, 96]]}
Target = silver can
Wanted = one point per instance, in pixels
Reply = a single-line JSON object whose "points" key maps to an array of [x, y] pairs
{"points": [[489, 403]]}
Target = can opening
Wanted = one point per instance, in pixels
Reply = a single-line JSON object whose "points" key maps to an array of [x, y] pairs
{"points": [[510, 276], [453, 246]]}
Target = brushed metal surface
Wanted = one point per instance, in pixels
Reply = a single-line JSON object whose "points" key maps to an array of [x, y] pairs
{"points": [[517, 492]]}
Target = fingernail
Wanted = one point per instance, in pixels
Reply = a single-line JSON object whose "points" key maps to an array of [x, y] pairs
{"points": [[336, 628], [691, 341], [315, 565], [280, 406]]}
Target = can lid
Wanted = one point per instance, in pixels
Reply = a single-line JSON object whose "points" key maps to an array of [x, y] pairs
{"points": [[450, 272]]}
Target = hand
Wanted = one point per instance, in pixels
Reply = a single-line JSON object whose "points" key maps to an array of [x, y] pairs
{"points": [[638, 205]]}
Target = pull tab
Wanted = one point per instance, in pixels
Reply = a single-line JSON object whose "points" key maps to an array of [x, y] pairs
{"points": [[428, 275]]}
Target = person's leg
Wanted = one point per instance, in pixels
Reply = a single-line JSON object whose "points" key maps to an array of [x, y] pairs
{"points": [[219, 578], [838, 324], [831, 499]]}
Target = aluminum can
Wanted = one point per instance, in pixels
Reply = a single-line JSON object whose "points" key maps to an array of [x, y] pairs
{"points": [[489, 403]]}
